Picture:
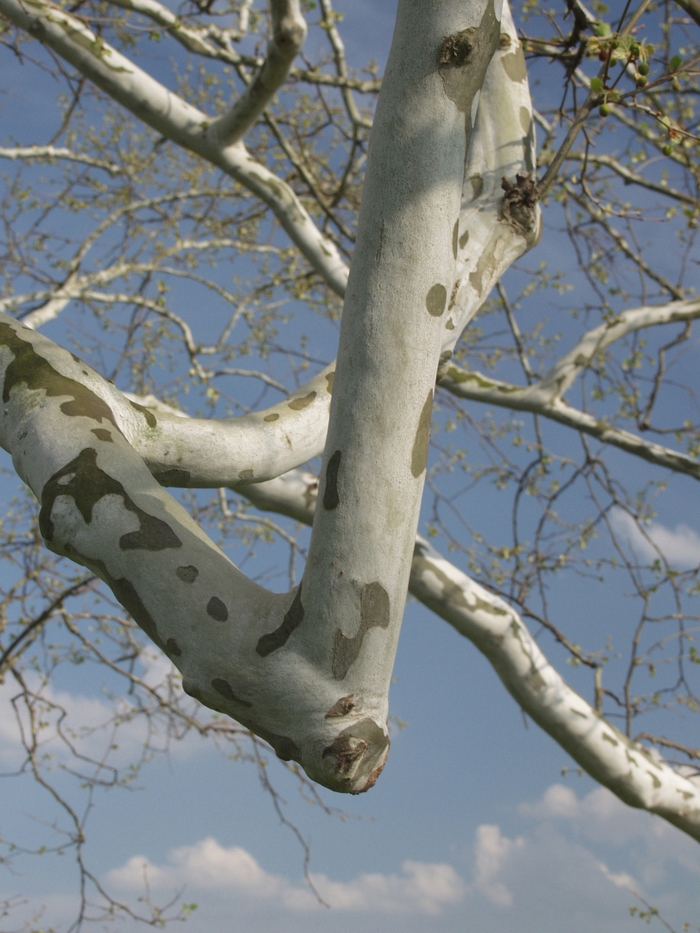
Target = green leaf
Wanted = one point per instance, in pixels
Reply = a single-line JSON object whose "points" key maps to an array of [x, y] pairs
{"points": [[675, 63], [596, 85]]}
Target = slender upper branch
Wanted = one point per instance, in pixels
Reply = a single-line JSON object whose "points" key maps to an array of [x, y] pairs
{"points": [[177, 120], [211, 41], [544, 397], [288, 34], [50, 153], [336, 41], [562, 375]]}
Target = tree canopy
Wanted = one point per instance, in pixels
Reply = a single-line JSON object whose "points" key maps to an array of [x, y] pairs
{"points": [[509, 236]]}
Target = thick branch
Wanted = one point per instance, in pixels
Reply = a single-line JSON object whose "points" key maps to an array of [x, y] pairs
{"points": [[692, 8], [309, 671], [491, 235], [502, 146], [623, 766], [611, 758], [203, 452]]}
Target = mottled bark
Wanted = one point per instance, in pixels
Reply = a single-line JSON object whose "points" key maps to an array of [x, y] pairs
{"points": [[308, 671]]}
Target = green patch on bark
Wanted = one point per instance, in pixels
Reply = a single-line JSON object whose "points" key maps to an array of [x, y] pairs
{"points": [[436, 300], [298, 403], [419, 454], [171, 477], [514, 65], [374, 613], [187, 574], [29, 369], [284, 747], [223, 687], [84, 482], [217, 609], [129, 598], [464, 57], [151, 419], [331, 497], [274, 640]]}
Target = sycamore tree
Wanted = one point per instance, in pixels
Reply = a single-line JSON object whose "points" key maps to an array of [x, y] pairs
{"points": [[208, 192]]}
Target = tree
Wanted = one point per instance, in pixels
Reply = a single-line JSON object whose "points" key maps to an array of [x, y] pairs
{"points": [[450, 201]]}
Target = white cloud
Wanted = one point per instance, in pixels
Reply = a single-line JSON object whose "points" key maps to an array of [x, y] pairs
{"points": [[680, 546], [422, 888], [601, 818], [620, 879], [581, 857], [599, 815], [492, 852]]}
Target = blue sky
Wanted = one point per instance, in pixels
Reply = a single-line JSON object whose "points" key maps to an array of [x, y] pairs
{"points": [[472, 827]]}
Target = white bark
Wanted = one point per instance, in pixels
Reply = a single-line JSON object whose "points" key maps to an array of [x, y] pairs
{"points": [[610, 757], [309, 671], [50, 153], [544, 397], [497, 630], [496, 226]]}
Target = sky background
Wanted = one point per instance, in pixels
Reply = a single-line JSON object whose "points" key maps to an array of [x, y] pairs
{"points": [[480, 822]]}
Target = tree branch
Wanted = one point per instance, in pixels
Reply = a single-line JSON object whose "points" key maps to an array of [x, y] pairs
{"points": [[288, 34], [495, 628], [496, 225], [177, 120], [329, 18], [322, 699], [50, 153], [544, 397]]}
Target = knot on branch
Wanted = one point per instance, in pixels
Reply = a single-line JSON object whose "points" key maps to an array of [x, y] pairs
{"points": [[290, 33], [455, 50], [519, 204]]}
